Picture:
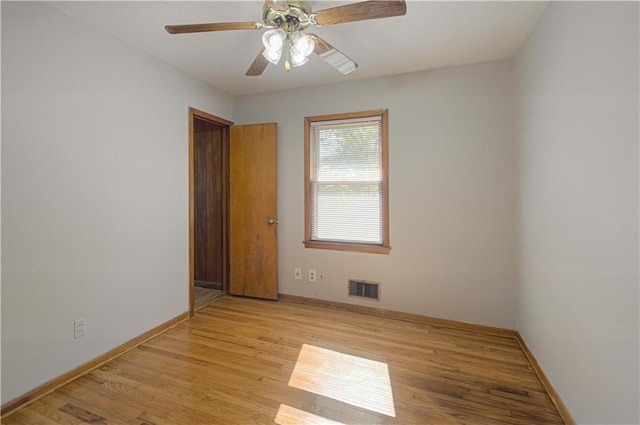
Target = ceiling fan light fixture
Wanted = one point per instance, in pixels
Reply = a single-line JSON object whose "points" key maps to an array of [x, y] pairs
{"points": [[302, 43], [297, 58], [272, 55], [274, 39]]}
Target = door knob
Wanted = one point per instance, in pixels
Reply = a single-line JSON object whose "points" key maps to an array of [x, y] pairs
{"points": [[271, 221]]}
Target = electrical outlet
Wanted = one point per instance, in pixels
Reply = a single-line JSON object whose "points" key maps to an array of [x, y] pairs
{"points": [[312, 275], [79, 328], [297, 273]]}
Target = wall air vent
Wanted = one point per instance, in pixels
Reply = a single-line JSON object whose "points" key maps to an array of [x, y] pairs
{"points": [[363, 289]]}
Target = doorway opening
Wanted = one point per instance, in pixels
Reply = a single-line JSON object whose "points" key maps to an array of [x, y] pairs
{"points": [[208, 207]]}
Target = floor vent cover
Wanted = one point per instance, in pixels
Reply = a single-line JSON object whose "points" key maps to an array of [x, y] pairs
{"points": [[363, 289]]}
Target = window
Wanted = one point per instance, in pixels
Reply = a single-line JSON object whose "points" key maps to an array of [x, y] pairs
{"points": [[346, 183]]}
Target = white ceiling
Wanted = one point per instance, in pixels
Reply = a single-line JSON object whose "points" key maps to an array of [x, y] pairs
{"points": [[431, 35]]}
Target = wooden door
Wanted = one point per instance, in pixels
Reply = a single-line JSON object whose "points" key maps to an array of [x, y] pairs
{"points": [[253, 250], [208, 202]]}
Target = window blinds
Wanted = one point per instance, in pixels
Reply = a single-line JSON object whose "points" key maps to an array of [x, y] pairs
{"points": [[346, 177]]}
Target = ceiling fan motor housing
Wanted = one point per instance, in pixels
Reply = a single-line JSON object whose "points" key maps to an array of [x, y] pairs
{"points": [[296, 18]]}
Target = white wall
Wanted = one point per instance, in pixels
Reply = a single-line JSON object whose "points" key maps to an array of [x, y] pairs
{"points": [[95, 214], [576, 126], [94, 192], [451, 192]]}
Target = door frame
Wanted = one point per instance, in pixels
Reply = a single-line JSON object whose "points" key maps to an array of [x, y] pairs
{"points": [[201, 115]]}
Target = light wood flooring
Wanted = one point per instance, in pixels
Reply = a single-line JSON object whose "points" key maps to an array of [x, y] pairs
{"points": [[245, 361], [203, 296]]}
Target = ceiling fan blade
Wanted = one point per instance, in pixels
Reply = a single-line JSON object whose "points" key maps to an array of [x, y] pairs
{"points": [[333, 56], [258, 66], [373, 9], [219, 26], [279, 5]]}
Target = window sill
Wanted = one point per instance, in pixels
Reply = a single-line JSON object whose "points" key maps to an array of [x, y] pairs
{"points": [[336, 246]]}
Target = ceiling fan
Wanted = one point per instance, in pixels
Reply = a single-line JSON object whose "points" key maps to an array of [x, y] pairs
{"points": [[286, 21]]}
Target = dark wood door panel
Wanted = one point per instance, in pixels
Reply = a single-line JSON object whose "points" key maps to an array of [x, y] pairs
{"points": [[208, 202]]}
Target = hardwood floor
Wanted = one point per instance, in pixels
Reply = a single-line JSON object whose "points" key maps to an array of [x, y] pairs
{"points": [[203, 296], [245, 361]]}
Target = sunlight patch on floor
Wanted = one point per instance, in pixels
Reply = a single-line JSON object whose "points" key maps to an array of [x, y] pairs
{"points": [[288, 415], [354, 380]]}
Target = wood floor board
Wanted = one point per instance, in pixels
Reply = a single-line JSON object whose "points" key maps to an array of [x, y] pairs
{"points": [[207, 358], [203, 296], [233, 361], [105, 404], [49, 407], [354, 321], [234, 349], [167, 394], [234, 382], [120, 401], [34, 417], [169, 397], [437, 398]]}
